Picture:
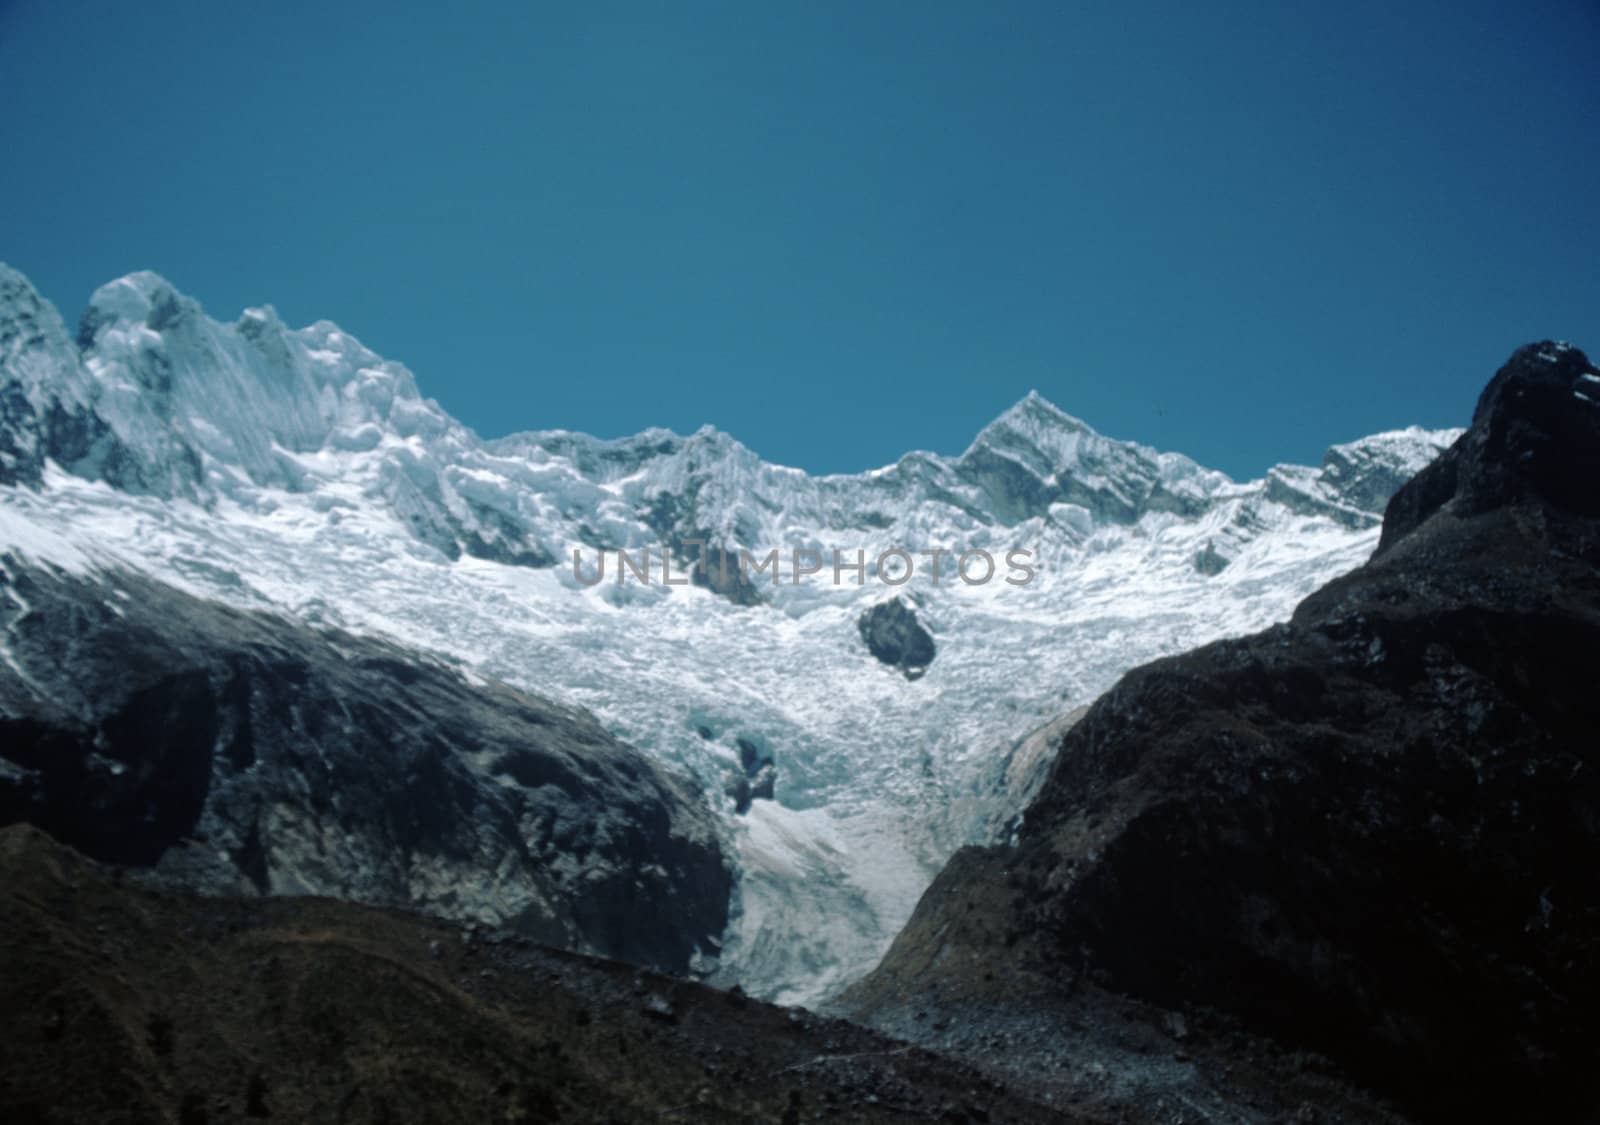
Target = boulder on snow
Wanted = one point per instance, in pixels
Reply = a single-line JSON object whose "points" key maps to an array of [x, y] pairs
{"points": [[897, 638]]}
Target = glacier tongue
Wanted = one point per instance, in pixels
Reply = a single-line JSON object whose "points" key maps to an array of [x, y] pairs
{"points": [[296, 470]]}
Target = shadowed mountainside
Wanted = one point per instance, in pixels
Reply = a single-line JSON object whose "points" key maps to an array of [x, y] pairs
{"points": [[1369, 833], [240, 752]]}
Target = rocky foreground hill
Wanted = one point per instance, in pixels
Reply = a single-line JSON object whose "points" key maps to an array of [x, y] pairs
{"points": [[1361, 844], [130, 1004]]}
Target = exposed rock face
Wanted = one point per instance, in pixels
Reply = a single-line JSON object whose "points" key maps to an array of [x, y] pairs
{"points": [[719, 570], [710, 563], [1210, 561], [1366, 474], [757, 779], [895, 636], [1023, 771], [1371, 832], [238, 752]]}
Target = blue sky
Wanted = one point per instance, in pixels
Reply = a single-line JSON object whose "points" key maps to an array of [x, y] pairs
{"points": [[842, 231]]}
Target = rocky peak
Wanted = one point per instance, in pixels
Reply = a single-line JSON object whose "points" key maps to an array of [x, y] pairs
{"points": [[1034, 425], [1045, 439], [55, 407], [1036, 454], [35, 351], [144, 298], [1535, 436], [1365, 473]]}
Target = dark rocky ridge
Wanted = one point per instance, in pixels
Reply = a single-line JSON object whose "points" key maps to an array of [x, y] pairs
{"points": [[239, 752], [1534, 441], [1371, 833]]}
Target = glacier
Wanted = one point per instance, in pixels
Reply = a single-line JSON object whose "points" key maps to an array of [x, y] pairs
{"points": [[295, 471]]}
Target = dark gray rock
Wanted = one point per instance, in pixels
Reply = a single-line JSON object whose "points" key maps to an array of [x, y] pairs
{"points": [[711, 562], [757, 779], [1534, 439], [896, 637], [1210, 561], [719, 570]]}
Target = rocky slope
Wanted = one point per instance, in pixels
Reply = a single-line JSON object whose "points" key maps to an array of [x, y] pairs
{"points": [[241, 752], [295, 471], [1369, 833], [126, 1004]]}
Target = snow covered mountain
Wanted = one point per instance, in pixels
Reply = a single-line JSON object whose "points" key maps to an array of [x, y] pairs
{"points": [[293, 470]]}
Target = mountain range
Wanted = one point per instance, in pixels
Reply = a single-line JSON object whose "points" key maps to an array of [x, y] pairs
{"points": [[819, 749], [1256, 801]]}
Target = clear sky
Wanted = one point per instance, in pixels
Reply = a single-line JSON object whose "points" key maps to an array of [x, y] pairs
{"points": [[842, 231]]}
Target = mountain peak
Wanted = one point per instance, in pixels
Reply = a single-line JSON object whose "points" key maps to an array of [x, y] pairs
{"points": [[1035, 408], [28, 324], [11, 276], [1035, 431], [141, 297], [1535, 437]]}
